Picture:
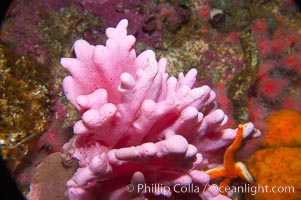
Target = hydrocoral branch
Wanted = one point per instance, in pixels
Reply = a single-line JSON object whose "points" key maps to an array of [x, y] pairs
{"points": [[138, 124], [170, 153]]}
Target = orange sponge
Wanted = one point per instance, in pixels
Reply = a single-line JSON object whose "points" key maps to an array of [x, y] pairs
{"points": [[283, 129]]}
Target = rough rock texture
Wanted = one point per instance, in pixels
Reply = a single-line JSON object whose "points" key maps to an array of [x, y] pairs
{"points": [[50, 178]]}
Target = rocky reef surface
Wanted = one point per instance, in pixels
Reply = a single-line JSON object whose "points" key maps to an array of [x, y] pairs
{"points": [[248, 52]]}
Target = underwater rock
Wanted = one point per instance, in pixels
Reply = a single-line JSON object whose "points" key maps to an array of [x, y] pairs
{"points": [[25, 106], [50, 178]]}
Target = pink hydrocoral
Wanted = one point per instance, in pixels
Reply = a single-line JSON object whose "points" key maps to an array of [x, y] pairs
{"points": [[138, 125]]}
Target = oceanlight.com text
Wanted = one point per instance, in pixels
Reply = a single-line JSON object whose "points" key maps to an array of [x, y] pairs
{"points": [[253, 189]]}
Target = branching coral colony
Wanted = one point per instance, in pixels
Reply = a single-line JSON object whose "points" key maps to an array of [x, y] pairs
{"points": [[141, 127]]}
